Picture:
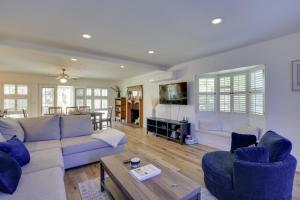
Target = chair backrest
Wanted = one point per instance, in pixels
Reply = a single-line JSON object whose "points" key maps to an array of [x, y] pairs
{"points": [[25, 114], [55, 110], [71, 109], [109, 112], [84, 109]]}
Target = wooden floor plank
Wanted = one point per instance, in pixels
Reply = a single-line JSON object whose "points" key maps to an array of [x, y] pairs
{"points": [[183, 158]]}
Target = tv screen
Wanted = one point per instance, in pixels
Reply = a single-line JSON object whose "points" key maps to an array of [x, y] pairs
{"points": [[175, 93]]}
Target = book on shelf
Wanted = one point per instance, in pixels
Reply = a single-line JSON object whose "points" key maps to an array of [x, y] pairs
{"points": [[145, 172]]}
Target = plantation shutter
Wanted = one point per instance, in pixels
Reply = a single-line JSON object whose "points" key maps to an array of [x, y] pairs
{"points": [[239, 93], [225, 94], [207, 94], [257, 96]]}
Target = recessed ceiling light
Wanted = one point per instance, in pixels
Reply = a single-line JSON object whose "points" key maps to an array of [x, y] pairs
{"points": [[122, 66], [151, 52], [216, 21], [74, 59], [86, 36]]}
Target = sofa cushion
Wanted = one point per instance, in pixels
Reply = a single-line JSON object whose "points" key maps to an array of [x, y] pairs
{"points": [[45, 184], [218, 168], [42, 145], [44, 159], [278, 146], [41, 128], [10, 173], [76, 125], [241, 140], [83, 143], [10, 127], [253, 154], [16, 149]]}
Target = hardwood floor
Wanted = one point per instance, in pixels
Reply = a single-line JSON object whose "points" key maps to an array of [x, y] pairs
{"points": [[183, 158]]}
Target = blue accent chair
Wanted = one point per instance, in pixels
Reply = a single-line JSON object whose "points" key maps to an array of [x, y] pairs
{"points": [[229, 178]]}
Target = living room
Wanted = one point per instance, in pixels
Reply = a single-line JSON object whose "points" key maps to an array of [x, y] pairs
{"points": [[220, 78]]}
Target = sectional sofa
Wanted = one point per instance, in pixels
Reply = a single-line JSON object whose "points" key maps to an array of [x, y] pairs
{"points": [[55, 143]]}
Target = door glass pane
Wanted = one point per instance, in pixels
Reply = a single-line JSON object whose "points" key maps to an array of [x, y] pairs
{"points": [[79, 102], [97, 92], [64, 97], [97, 104], [22, 90], [79, 92], [89, 92], [21, 104], [47, 99], [89, 103], [104, 103], [9, 104], [104, 92], [9, 89]]}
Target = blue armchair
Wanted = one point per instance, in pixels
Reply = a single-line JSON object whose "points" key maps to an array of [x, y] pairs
{"points": [[228, 177]]}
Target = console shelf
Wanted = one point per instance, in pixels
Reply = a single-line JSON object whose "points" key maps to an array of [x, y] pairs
{"points": [[170, 129]]}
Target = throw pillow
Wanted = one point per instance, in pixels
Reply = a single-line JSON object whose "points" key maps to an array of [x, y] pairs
{"points": [[16, 149], [278, 146], [10, 127], [41, 128], [241, 140], [10, 173], [253, 154]]}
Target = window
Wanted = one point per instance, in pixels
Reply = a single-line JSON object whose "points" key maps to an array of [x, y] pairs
{"points": [[207, 94], [79, 96], [257, 86], [15, 99], [238, 92], [64, 97], [225, 94], [47, 99]]}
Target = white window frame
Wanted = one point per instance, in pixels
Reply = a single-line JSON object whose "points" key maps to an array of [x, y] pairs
{"points": [[263, 91], [16, 97], [247, 93], [206, 93]]}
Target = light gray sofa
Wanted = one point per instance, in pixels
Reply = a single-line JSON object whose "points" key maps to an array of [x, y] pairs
{"points": [[55, 143]]}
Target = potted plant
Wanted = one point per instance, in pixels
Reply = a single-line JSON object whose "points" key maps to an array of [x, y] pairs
{"points": [[117, 90]]}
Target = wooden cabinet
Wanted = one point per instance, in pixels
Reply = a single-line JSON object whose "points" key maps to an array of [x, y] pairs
{"points": [[120, 109]]}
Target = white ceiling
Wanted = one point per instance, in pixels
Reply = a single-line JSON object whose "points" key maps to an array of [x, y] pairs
{"points": [[41, 36]]}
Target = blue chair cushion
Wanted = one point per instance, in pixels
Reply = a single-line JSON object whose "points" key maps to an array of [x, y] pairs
{"points": [[278, 146], [10, 173], [253, 154], [241, 140], [218, 168], [16, 149]]}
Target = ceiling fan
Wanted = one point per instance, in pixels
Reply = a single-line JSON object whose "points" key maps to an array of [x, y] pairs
{"points": [[63, 77]]}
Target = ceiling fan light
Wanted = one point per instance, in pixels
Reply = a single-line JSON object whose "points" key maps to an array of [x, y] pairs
{"points": [[63, 80]]}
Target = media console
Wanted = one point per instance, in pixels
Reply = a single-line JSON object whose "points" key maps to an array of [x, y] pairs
{"points": [[170, 129]]}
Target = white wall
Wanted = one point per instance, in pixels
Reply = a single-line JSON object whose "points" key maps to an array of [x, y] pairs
{"points": [[34, 81], [282, 104]]}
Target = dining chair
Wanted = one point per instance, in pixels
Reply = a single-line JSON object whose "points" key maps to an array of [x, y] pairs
{"points": [[25, 114], [55, 110], [108, 118], [84, 109], [69, 110]]}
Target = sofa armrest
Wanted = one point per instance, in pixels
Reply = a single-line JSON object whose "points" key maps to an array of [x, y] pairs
{"points": [[264, 180]]}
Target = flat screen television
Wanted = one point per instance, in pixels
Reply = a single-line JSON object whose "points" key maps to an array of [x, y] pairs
{"points": [[174, 93]]}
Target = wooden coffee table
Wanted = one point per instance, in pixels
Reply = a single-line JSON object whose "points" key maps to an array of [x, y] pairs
{"points": [[168, 185]]}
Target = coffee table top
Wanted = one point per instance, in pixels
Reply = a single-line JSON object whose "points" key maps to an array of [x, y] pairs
{"points": [[168, 185]]}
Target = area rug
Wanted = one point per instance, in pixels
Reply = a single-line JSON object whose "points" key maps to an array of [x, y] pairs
{"points": [[90, 190]]}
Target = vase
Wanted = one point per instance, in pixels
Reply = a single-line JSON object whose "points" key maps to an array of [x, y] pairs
{"points": [[153, 112]]}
